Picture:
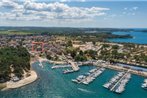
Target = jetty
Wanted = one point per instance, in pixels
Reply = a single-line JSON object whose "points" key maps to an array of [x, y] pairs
{"points": [[89, 77], [60, 66], [68, 71], [71, 64], [117, 83], [120, 68], [74, 65]]}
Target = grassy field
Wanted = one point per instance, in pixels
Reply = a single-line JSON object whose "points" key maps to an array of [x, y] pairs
{"points": [[12, 32]]}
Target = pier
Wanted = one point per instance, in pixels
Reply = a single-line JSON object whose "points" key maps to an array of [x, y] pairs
{"points": [[68, 71], [120, 68], [61, 66], [117, 83], [89, 77], [74, 66]]}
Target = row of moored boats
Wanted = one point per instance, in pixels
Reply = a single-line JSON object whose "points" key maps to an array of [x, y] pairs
{"points": [[89, 77], [117, 83]]}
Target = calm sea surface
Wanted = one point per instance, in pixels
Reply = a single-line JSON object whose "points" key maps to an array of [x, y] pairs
{"points": [[54, 84], [138, 37]]}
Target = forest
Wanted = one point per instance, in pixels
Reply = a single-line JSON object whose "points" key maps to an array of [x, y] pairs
{"points": [[18, 58]]}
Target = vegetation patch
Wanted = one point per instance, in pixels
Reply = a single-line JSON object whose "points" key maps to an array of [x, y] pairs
{"points": [[13, 61]]}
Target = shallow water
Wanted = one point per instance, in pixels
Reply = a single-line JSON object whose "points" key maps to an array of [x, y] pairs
{"points": [[138, 37], [54, 84]]}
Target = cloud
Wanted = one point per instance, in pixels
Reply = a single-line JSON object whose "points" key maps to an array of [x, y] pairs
{"points": [[125, 8], [9, 4], [72, 0], [31, 10], [135, 8], [131, 8], [130, 11]]}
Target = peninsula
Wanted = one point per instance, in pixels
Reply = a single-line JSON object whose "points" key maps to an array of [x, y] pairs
{"points": [[15, 69]]}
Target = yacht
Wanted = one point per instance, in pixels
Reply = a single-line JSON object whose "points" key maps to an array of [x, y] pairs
{"points": [[144, 85]]}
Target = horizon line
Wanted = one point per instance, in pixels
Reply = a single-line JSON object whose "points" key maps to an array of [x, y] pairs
{"points": [[80, 27]]}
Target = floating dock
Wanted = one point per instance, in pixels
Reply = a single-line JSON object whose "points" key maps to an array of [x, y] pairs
{"points": [[89, 77], [68, 71], [117, 83]]}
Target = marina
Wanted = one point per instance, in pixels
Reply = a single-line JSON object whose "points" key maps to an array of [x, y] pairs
{"points": [[89, 77], [118, 82], [54, 81], [100, 63]]}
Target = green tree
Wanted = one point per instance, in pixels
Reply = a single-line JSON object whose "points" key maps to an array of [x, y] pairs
{"points": [[69, 43], [18, 57]]}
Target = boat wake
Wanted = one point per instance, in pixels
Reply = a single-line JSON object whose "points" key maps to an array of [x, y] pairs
{"points": [[85, 90]]}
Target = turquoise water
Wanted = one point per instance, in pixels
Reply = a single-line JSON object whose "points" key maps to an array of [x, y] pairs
{"points": [[54, 84], [138, 37]]}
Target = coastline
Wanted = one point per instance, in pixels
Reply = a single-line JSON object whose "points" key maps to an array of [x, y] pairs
{"points": [[40, 59], [26, 80], [12, 85], [57, 62], [119, 68]]}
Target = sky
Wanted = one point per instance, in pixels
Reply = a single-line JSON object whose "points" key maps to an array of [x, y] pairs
{"points": [[74, 13]]}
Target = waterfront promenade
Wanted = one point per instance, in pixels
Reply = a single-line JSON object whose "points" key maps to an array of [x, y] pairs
{"points": [[119, 68], [108, 66]]}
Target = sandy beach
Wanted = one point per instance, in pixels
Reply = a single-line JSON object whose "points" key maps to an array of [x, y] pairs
{"points": [[22, 82]]}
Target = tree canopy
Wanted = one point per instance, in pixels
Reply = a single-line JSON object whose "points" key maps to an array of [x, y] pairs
{"points": [[18, 58]]}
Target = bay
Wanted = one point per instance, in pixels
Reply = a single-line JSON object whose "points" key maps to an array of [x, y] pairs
{"points": [[138, 37]]}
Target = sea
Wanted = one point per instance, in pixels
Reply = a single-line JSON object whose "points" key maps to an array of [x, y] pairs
{"points": [[138, 37], [54, 84]]}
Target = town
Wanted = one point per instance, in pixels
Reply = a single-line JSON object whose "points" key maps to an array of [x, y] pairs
{"points": [[73, 49], [70, 52], [53, 47]]}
